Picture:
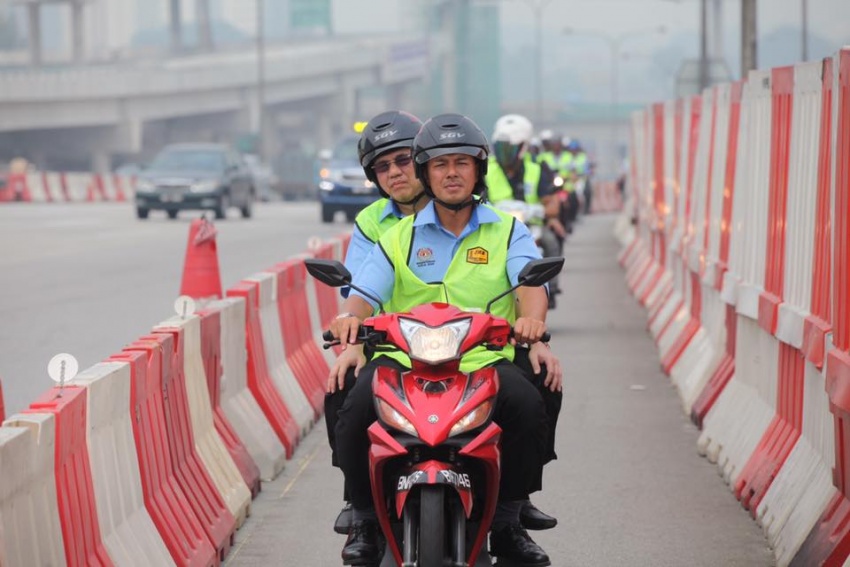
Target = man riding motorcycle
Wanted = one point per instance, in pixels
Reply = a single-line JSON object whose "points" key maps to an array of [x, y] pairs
{"points": [[511, 175], [434, 256]]}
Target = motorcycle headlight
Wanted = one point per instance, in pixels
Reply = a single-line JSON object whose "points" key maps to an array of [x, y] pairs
{"points": [[559, 181], [434, 344], [326, 185], [393, 418], [475, 418]]}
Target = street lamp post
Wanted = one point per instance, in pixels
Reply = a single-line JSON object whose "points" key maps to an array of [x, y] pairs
{"points": [[615, 44], [261, 81]]}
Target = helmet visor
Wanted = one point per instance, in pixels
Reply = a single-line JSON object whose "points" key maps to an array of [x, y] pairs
{"points": [[506, 153], [426, 155]]}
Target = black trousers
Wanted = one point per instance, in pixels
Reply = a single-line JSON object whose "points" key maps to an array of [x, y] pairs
{"points": [[519, 411]]}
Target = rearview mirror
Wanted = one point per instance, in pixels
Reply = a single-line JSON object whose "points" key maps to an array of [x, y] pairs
{"points": [[538, 272], [329, 272]]}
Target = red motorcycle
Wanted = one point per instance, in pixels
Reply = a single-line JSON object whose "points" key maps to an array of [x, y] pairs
{"points": [[434, 455]]}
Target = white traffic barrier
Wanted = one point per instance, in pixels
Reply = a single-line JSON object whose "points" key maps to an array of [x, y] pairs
{"points": [[130, 536], [239, 405], [211, 449], [315, 318], [281, 374], [29, 510]]}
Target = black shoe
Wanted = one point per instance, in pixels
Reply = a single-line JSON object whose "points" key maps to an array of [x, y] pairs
{"points": [[533, 519], [365, 544], [342, 525], [514, 544]]}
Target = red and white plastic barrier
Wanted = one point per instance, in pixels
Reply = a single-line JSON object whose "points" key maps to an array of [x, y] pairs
{"points": [[30, 529], [128, 532], [756, 250], [152, 456], [62, 187]]}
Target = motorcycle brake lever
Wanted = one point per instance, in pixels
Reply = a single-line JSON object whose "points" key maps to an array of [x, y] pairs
{"points": [[326, 346]]}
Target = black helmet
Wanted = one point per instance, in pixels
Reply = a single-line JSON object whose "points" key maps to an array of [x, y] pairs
{"points": [[387, 131], [450, 134]]}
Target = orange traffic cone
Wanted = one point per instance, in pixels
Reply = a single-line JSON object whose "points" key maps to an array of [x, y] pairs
{"points": [[2, 407], [201, 276]]}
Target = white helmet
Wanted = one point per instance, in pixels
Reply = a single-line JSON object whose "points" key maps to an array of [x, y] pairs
{"points": [[514, 129]]}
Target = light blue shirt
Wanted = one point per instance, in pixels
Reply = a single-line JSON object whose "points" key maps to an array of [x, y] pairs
{"points": [[359, 246], [377, 276]]}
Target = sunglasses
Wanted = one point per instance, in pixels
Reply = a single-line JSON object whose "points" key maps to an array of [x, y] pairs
{"points": [[401, 161]]}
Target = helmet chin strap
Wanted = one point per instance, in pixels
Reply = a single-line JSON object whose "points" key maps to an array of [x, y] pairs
{"points": [[412, 201], [455, 207]]}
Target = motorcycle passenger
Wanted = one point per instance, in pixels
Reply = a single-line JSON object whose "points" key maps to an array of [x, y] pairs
{"points": [[559, 161], [572, 177], [384, 150], [427, 257], [581, 167], [510, 175]]}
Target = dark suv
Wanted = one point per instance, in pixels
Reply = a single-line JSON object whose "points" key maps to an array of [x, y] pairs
{"points": [[342, 184], [195, 176]]}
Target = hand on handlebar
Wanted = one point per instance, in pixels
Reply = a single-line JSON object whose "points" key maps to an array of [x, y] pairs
{"points": [[528, 330], [345, 329]]}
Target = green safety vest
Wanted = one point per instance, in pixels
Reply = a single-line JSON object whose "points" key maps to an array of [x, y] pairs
{"points": [[499, 187], [476, 274], [371, 224]]}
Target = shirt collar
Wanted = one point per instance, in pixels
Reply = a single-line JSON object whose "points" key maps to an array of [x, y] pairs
{"points": [[480, 215], [391, 208]]}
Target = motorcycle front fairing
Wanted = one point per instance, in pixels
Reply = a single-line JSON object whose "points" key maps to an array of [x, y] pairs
{"points": [[434, 455]]}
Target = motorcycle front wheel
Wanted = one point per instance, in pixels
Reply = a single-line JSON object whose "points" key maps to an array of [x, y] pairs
{"points": [[432, 526]]}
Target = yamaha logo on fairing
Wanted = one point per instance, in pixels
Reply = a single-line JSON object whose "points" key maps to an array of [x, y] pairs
{"points": [[383, 135], [456, 479], [452, 135]]}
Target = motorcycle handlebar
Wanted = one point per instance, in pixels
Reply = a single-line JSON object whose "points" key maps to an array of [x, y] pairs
{"points": [[543, 339]]}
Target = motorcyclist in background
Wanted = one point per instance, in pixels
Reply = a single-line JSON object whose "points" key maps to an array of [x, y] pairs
{"points": [[512, 175], [572, 180], [559, 162], [581, 168]]}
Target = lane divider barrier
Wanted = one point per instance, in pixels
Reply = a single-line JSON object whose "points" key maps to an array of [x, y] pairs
{"points": [[735, 239]]}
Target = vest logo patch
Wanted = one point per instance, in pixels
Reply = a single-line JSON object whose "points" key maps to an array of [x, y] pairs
{"points": [[477, 255], [424, 257]]}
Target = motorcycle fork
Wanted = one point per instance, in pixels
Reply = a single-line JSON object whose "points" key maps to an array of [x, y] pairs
{"points": [[410, 522], [458, 528]]}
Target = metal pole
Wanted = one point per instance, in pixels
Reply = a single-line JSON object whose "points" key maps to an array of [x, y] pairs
{"points": [[538, 76], [175, 25], [703, 46], [77, 31], [614, 44], [261, 81], [749, 37], [805, 25], [34, 22]]}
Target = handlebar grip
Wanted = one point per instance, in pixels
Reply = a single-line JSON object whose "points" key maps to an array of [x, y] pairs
{"points": [[328, 336]]}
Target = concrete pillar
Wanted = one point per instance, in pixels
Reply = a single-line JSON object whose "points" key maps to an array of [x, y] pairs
{"points": [[202, 13], [77, 31], [101, 161], [395, 97], [34, 22], [176, 25], [325, 124]]}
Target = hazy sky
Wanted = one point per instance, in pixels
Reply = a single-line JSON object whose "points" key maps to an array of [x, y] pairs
{"points": [[830, 18]]}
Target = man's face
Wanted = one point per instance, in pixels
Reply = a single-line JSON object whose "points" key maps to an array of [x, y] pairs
{"points": [[453, 177], [395, 174]]}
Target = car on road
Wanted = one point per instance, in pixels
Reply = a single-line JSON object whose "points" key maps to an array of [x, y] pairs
{"points": [[342, 183], [195, 177]]}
